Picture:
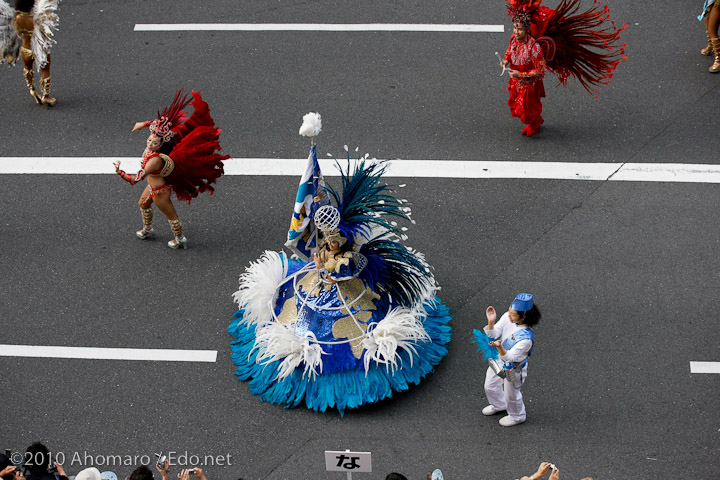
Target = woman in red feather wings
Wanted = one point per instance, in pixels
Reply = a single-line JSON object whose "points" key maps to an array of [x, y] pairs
{"points": [[565, 41], [180, 156]]}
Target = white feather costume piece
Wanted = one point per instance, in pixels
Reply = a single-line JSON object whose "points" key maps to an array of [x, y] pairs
{"points": [[258, 286], [10, 41], [311, 125], [429, 286], [46, 24], [275, 341], [401, 328]]}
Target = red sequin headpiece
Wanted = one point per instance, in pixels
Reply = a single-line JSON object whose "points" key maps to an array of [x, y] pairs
{"points": [[162, 128], [170, 118], [522, 11], [522, 18]]}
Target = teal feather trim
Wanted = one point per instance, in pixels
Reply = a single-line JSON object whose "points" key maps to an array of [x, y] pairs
{"points": [[341, 390], [483, 342], [397, 271], [367, 203]]}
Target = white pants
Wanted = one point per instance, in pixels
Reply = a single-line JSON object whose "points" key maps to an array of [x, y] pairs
{"points": [[505, 395]]}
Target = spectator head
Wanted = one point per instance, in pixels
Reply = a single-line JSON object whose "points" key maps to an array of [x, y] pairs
{"points": [[39, 459], [435, 475], [395, 476], [91, 473], [141, 473]]}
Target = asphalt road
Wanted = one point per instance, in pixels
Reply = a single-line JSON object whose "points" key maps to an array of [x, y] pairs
{"points": [[626, 273]]}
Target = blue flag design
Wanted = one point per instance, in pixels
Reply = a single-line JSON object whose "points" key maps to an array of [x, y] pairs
{"points": [[301, 235]]}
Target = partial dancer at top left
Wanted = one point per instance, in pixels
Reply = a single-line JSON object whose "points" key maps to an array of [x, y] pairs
{"points": [[180, 156], [27, 31]]}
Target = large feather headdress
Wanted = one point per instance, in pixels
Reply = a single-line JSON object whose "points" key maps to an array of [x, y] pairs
{"points": [[170, 118], [369, 209]]}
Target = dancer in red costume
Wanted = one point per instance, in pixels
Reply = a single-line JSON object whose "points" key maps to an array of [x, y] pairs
{"points": [[180, 157], [526, 67], [566, 42]]}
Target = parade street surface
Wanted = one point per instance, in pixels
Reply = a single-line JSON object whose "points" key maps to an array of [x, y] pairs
{"points": [[623, 380]]}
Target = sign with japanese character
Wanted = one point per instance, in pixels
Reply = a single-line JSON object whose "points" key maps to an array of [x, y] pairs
{"points": [[347, 461]]}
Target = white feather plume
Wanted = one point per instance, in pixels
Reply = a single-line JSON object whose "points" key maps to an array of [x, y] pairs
{"points": [[258, 286], [10, 42], [401, 328], [46, 23], [275, 341], [311, 125], [428, 286]]}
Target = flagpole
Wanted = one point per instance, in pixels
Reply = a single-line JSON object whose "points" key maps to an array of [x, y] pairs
{"points": [[317, 235], [311, 127]]}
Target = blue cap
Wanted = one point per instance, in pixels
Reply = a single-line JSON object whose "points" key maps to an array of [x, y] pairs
{"points": [[523, 302]]}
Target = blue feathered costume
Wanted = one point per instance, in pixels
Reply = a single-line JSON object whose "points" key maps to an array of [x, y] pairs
{"points": [[353, 332]]}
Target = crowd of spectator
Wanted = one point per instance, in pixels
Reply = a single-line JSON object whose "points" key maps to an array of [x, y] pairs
{"points": [[544, 469], [38, 466]]}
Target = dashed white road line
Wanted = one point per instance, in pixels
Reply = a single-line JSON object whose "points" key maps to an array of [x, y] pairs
{"points": [[96, 353], [704, 367], [319, 27], [636, 172]]}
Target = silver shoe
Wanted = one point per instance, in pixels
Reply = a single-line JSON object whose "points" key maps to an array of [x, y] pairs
{"points": [[144, 234], [176, 243]]}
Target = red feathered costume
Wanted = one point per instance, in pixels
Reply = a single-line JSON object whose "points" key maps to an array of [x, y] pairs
{"points": [[527, 91], [194, 145], [580, 44], [181, 157]]}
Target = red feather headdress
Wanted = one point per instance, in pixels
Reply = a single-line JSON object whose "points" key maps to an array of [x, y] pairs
{"points": [[170, 118]]}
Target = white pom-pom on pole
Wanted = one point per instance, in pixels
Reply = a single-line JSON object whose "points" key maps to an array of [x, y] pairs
{"points": [[311, 125]]}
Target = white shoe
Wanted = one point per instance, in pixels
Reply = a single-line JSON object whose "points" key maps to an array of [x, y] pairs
{"points": [[177, 243], [490, 410], [508, 421], [143, 234]]}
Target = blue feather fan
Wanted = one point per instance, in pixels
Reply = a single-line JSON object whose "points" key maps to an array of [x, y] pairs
{"points": [[483, 342]]}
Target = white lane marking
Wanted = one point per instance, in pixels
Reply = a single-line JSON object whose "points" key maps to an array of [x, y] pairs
{"points": [[438, 169], [318, 27], [704, 367], [637, 172], [668, 172], [158, 355], [64, 165]]}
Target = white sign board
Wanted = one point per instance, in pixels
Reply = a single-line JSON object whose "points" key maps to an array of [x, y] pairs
{"points": [[347, 461]]}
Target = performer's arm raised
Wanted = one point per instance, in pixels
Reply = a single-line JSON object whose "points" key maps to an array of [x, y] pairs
{"points": [[140, 125]]}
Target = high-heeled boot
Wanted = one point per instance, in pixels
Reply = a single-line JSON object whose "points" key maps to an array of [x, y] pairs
{"points": [[30, 81], [707, 51], [147, 217], [177, 228], [46, 99], [715, 68]]}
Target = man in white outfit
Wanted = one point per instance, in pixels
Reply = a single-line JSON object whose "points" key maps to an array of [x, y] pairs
{"points": [[514, 340]]}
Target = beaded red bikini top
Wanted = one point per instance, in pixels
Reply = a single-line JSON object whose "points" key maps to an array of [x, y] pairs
{"points": [[145, 160], [167, 168]]}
